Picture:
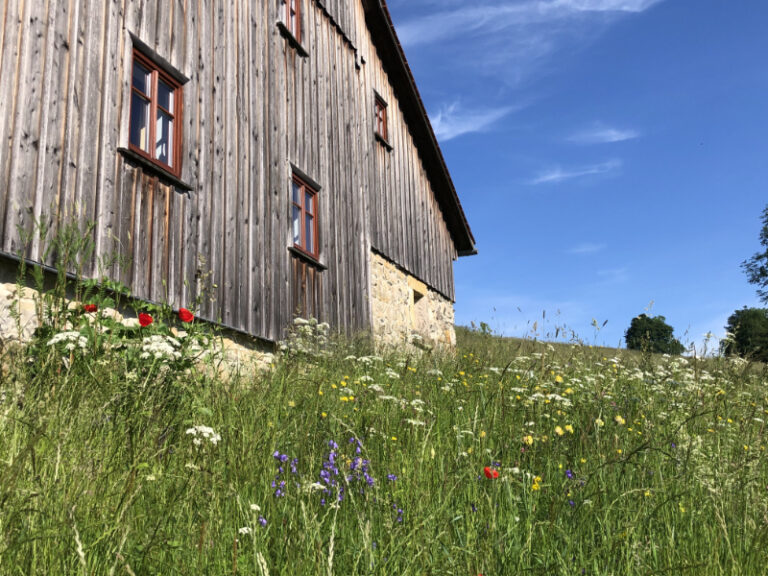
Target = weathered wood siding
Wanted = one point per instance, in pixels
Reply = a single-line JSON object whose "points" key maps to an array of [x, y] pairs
{"points": [[406, 223], [252, 108]]}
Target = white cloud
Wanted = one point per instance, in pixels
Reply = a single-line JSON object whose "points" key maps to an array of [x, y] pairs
{"points": [[613, 275], [490, 17], [586, 248], [452, 121], [600, 134], [557, 174]]}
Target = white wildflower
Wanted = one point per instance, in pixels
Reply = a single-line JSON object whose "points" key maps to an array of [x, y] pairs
{"points": [[416, 422], [244, 530], [160, 347], [201, 433], [72, 340], [255, 508]]}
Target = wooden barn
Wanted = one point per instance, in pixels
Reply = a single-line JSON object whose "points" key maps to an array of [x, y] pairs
{"points": [[275, 151]]}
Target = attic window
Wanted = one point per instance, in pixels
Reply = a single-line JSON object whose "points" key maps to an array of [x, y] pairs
{"points": [[380, 114], [290, 24], [293, 17]]}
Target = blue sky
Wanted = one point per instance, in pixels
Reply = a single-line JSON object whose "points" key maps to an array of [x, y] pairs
{"points": [[611, 156]]}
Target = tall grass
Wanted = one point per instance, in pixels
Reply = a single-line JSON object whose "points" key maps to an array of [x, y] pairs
{"points": [[337, 461]]}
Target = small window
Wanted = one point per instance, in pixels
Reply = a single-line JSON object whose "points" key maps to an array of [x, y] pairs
{"points": [[155, 127], [293, 18], [380, 112], [304, 217]]}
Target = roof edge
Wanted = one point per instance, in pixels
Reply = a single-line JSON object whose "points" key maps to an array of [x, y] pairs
{"points": [[392, 54]]}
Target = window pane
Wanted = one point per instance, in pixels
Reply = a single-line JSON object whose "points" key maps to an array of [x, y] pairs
{"points": [[309, 204], [164, 137], [165, 96], [297, 192], [309, 234], [141, 79], [139, 122], [296, 226]]}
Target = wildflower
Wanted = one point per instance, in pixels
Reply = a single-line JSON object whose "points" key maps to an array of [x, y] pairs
{"points": [[569, 429], [72, 339], [528, 440], [324, 415], [391, 477], [559, 379], [160, 348], [482, 433], [619, 420], [200, 433], [90, 308], [490, 473], [255, 508], [185, 315], [145, 320], [569, 474], [244, 530], [262, 521], [559, 431], [599, 423]]}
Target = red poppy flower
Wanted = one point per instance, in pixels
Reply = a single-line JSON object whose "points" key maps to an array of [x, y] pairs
{"points": [[90, 308], [185, 315], [490, 473], [145, 320]]}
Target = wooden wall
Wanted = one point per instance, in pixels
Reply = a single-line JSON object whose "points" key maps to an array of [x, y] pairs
{"points": [[253, 107]]}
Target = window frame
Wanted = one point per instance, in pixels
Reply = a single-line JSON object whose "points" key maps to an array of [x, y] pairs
{"points": [[294, 30], [381, 124], [305, 188], [157, 73]]}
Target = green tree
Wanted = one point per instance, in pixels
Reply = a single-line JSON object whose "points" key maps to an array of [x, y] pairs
{"points": [[747, 334], [756, 267], [652, 333]]}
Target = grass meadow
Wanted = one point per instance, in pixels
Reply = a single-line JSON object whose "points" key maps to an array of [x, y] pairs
{"points": [[125, 451]]}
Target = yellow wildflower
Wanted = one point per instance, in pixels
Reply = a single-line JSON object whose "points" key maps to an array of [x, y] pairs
{"points": [[569, 429], [559, 431], [528, 440], [619, 420]]}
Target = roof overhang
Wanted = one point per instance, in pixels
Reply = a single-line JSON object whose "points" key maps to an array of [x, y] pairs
{"points": [[393, 57]]}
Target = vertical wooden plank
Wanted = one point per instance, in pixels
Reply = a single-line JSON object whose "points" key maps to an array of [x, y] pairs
{"points": [[109, 135], [13, 16], [26, 78], [49, 48]]}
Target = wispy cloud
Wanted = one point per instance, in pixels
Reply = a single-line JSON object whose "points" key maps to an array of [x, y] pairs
{"points": [[613, 275], [558, 174], [490, 17], [600, 134], [586, 248], [453, 120]]}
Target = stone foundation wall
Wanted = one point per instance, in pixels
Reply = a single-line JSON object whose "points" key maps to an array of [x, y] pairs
{"points": [[19, 319], [405, 310]]}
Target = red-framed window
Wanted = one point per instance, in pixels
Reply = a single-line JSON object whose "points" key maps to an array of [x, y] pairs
{"points": [[304, 217], [380, 113], [293, 18], [156, 106]]}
